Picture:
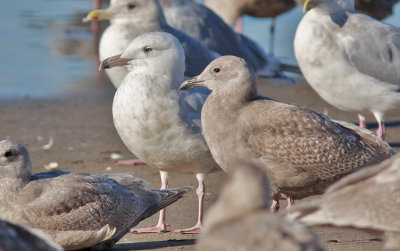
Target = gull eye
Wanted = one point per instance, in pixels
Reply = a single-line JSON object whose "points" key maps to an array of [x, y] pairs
{"points": [[131, 6], [216, 70], [8, 154], [147, 49]]}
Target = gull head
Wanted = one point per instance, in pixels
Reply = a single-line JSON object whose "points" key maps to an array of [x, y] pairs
{"points": [[143, 11], [227, 74], [246, 189], [14, 160], [153, 52], [328, 5]]}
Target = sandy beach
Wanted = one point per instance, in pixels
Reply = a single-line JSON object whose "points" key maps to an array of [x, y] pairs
{"points": [[84, 138]]}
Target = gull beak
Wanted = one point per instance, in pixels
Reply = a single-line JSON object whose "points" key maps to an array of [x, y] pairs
{"points": [[308, 5], [98, 14], [191, 83], [114, 61]]}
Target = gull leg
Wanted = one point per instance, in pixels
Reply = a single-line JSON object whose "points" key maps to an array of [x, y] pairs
{"points": [[239, 25], [200, 195], [361, 120], [275, 206], [130, 162], [381, 132], [161, 225], [272, 36]]}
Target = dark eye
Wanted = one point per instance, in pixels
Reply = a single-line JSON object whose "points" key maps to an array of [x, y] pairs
{"points": [[147, 49], [131, 6], [8, 154], [216, 70]]}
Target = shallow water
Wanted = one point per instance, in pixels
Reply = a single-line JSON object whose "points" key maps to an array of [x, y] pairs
{"points": [[46, 50]]}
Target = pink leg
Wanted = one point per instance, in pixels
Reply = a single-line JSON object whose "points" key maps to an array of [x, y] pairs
{"points": [[239, 25], [275, 206], [361, 120], [290, 203], [200, 195], [131, 162], [381, 132], [161, 225]]}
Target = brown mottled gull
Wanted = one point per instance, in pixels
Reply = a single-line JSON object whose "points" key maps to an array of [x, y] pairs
{"points": [[351, 60], [302, 152], [159, 125], [78, 210], [240, 219], [18, 237], [367, 199]]}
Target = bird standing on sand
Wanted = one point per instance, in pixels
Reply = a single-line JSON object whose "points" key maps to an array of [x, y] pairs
{"points": [[240, 219], [367, 199], [301, 151], [78, 210], [351, 60], [159, 125]]}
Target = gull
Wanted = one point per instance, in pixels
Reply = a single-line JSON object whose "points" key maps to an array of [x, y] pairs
{"points": [[240, 219], [231, 11], [77, 210], [367, 199], [159, 125], [18, 237], [301, 151], [351, 60], [202, 33], [131, 18]]}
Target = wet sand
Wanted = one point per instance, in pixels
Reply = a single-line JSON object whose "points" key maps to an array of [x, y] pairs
{"points": [[84, 138]]}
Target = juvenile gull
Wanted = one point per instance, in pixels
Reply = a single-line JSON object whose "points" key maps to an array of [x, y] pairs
{"points": [[78, 210], [18, 237], [367, 199], [240, 219], [301, 151], [195, 26], [351, 60], [157, 124]]}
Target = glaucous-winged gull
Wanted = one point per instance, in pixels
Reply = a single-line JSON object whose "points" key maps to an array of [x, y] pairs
{"points": [[351, 60], [301, 151], [78, 210], [240, 219], [18, 237], [366, 199], [157, 124], [193, 24]]}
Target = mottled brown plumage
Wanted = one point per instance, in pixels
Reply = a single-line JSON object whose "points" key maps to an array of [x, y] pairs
{"points": [[302, 151], [240, 218], [367, 199], [77, 210]]}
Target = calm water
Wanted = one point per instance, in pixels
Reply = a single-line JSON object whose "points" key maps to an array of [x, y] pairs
{"points": [[46, 51]]}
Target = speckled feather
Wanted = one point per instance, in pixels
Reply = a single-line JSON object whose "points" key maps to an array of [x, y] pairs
{"points": [[243, 207], [77, 210], [303, 152], [366, 199]]}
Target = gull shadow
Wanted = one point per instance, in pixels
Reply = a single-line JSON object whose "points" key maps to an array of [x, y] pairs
{"points": [[147, 245]]}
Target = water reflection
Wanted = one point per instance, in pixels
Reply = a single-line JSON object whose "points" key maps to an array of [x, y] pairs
{"points": [[47, 51]]}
